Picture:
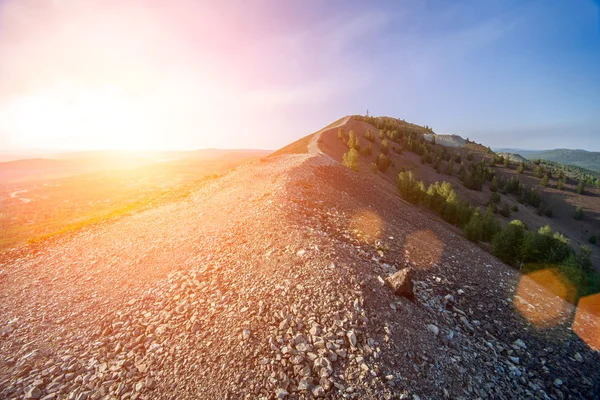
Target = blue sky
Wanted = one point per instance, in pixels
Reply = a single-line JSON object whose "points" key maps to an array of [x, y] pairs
{"points": [[260, 74]]}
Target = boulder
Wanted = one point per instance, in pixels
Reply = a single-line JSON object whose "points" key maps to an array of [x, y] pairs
{"points": [[401, 283]]}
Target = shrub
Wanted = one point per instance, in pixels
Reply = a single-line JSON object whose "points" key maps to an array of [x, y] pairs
{"points": [[374, 167], [544, 181], [369, 135], [520, 168], [578, 215], [474, 228], [490, 225], [506, 243], [353, 141], [505, 210], [494, 199], [383, 162], [409, 188], [470, 156], [367, 150], [514, 208], [384, 146], [350, 159], [592, 239], [494, 184], [342, 135], [548, 212], [580, 187]]}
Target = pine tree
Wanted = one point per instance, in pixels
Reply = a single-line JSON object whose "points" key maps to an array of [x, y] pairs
{"points": [[494, 184], [351, 159], [520, 168], [580, 187]]}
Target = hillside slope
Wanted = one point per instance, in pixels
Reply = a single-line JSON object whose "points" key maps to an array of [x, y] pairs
{"points": [[266, 282]]}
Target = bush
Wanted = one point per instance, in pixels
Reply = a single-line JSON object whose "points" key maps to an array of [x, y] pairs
{"points": [[592, 239], [474, 228], [506, 243], [544, 181], [514, 208], [505, 210], [494, 199], [367, 150], [578, 215], [580, 187], [353, 141], [384, 146], [350, 159], [342, 135], [548, 212], [494, 184], [383, 162], [409, 188], [520, 168], [369, 135]]}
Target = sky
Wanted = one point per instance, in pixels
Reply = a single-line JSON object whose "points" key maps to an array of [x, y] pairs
{"points": [[189, 74]]}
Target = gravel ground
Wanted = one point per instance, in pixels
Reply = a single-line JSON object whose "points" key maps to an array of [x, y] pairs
{"points": [[269, 282]]}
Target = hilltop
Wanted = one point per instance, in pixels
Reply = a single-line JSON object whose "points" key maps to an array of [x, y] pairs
{"points": [[269, 281]]}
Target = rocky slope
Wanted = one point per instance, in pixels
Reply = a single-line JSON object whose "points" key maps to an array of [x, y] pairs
{"points": [[269, 282]]}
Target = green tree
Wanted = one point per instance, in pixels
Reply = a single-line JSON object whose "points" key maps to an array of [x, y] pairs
{"points": [[410, 189], [385, 146], [367, 150], [520, 168], [544, 181], [351, 159], [383, 162], [494, 184], [470, 156], [341, 134], [369, 136], [580, 187], [507, 242], [538, 172], [474, 228], [578, 215], [353, 141], [506, 162]]}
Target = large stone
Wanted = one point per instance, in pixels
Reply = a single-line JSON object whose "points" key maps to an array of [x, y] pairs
{"points": [[401, 283], [33, 392]]}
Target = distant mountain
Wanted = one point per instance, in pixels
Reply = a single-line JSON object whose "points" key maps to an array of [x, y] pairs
{"points": [[579, 158]]}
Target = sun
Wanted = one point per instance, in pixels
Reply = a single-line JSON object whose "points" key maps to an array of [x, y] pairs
{"points": [[71, 117]]}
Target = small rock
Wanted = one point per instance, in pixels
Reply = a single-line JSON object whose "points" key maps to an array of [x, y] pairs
{"points": [[578, 357], [401, 283], [558, 383], [433, 329], [246, 334], [519, 343], [318, 391], [352, 338], [281, 393]]}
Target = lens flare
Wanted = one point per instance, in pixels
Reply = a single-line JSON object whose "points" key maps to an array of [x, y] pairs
{"points": [[544, 296]]}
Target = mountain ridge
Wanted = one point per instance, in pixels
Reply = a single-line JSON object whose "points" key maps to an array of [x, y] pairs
{"points": [[267, 282]]}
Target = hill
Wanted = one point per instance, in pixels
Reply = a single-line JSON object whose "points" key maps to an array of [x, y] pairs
{"points": [[269, 281], [513, 156], [580, 158]]}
